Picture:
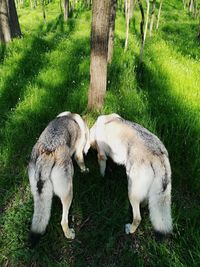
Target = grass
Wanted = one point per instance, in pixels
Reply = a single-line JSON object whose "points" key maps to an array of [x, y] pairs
{"points": [[47, 72]]}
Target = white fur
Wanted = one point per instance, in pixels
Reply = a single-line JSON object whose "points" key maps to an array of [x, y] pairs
{"points": [[62, 185], [84, 141], [144, 170], [42, 203]]}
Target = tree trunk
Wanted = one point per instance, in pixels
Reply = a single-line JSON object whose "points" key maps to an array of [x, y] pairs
{"points": [[43, 10], [127, 12], [60, 2], [99, 53], [159, 11], [141, 30], [35, 3], [191, 5], [9, 24], [147, 20], [132, 6], [111, 29], [152, 17], [66, 10]]}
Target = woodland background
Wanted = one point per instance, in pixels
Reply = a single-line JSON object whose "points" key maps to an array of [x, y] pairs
{"points": [[47, 71]]}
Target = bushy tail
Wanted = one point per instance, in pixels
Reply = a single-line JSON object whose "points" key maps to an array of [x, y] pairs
{"points": [[160, 198], [42, 190], [85, 136]]}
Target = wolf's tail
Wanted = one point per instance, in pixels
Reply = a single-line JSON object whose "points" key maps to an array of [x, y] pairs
{"points": [[85, 136], [42, 190], [160, 197]]}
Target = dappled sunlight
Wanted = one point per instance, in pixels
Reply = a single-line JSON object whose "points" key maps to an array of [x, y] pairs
{"points": [[48, 72]]}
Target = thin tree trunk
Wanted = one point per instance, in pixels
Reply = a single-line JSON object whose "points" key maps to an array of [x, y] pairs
{"points": [[191, 5], [152, 17], [132, 6], [60, 2], [120, 5], [9, 24], [43, 10], [127, 12], [99, 53], [198, 36], [111, 29], [35, 3], [66, 10], [184, 3], [159, 12], [89, 4], [141, 30], [147, 20]]}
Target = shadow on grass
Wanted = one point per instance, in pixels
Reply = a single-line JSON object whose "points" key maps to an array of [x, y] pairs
{"points": [[2, 52], [15, 145], [19, 134], [176, 126], [183, 37], [29, 65]]}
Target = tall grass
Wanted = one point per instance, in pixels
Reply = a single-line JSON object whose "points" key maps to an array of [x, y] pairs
{"points": [[47, 72]]}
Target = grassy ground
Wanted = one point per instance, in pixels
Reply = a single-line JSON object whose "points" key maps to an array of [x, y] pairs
{"points": [[47, 72]]}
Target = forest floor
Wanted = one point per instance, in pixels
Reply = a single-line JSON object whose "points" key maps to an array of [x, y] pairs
{"points": [[47, 72]]}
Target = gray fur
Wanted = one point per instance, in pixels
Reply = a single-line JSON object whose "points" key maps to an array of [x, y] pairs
{"points": [[51, 169], [152, 142], [147, 166]]}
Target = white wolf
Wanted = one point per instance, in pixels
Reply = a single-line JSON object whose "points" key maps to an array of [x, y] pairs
{"points": [[147, 167], [51, 170]]}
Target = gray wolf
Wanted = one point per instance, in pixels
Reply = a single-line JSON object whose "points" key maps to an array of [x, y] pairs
{"points": [[147, 167], [51, 170]]}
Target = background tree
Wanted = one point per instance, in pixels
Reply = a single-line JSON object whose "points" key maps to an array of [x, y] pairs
{"points": [[66, 10], [132, 6], [111, 29], [9, 24], [141, 29], [99, 52], [43, 9], [127, 15], [147, 20], [159, 12], [152, 17]]}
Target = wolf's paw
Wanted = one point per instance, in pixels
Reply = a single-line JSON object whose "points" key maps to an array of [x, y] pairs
{"points": [[130, 228], [70, 233], [85, 170]]}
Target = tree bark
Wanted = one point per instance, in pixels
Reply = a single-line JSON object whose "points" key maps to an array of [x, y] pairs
{"points": [[111, 29], [9, 24], [147, 20], [191, 6], [159, 11], [35, 3], [152, 17], [132, 6], [43, 10], [141, 30], [127, 12], [99, 53], [66, 10]]}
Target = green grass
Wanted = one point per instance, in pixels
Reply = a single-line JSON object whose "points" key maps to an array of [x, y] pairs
{"points": [[47, 72]]}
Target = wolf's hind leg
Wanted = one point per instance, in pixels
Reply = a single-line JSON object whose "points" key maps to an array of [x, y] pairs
{"points": [[66, 203], [102, 163], [80, 161], [62, 184], [131, 228]]}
